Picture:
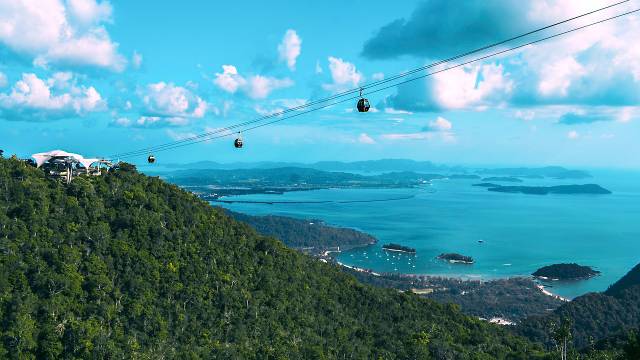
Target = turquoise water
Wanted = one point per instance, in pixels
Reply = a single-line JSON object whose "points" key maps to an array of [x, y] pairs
{"points": [[520, 232]]}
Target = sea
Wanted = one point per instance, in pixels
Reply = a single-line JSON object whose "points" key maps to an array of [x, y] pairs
{"points": [[508, 235]]}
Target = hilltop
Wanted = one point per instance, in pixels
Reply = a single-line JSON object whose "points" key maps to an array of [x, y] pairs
{"points": [[127, 266]]}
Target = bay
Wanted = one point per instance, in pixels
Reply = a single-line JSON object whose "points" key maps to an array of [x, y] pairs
{"points": [[506, 234]]}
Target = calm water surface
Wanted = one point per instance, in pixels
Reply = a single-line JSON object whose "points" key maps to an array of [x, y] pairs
{"points": [[519, 233]]}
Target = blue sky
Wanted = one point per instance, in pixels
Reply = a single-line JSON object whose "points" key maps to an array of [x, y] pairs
{"points": [[101, 78]]}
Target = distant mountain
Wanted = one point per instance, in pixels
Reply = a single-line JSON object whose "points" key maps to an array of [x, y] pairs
{"points": [[294, 177], [393, 165], [383, 165]]}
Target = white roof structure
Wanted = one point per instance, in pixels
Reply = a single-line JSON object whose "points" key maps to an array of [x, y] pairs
{"points": [[42, 158]]}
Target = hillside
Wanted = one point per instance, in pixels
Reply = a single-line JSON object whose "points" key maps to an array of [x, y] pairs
{"points": [[309, 235], [631, 279], [128, 266], [594, 316]]}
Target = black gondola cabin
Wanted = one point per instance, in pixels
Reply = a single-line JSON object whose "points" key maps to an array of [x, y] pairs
{"points": [[363, 105]]}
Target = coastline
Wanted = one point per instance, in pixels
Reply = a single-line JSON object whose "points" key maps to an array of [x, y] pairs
{"points": [[540, 287]]}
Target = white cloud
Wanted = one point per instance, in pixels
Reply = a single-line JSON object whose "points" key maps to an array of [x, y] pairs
{"points": [[344, 75], [470, 87], [89, 11], [171, 101], [261, 86], [50, 32], [32, 98], [439, 124], [573, 135], [229, 80], [556, 77], [3, 80], [289, 49], [365, 139], [122, 121], [256, 87]]}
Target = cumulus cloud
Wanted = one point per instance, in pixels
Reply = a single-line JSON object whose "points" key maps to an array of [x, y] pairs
{"points": [[36, 99], [289, 49], [70, 34], [470, 87], [591, 67], [344, 75], [89, 12], [166, 100], [256, 86]]}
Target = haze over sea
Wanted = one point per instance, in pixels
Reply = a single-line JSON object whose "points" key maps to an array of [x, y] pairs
{"points": [[520, 233]]}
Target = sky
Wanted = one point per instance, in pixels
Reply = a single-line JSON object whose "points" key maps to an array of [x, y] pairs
{"points": [[101, 78]]}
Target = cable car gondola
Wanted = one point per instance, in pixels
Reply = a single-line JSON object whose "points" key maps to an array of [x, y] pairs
{"points": [[151, 159], [363, 104], [238, 142]]}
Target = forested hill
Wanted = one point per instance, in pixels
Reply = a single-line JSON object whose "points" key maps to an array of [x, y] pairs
{"points": [[309, 235], [594, 316], [631, 279], [128, 266]]}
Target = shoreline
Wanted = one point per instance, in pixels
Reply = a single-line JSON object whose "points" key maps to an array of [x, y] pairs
{"points": [[539, 286]]}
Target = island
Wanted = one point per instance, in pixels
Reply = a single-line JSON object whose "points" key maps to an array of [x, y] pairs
{"points": [[571, 271], [559, 189], [398, 248], [502, 178], [456, 258]]}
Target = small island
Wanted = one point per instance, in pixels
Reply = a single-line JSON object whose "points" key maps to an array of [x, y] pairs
{"points": [[456, 258], [398, 248], [502, 178], [565, 272], [559, 189]]}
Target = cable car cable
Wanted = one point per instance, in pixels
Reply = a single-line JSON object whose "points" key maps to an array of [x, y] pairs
{"points": [[203, 137], [407, 81], [367, 86]]}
